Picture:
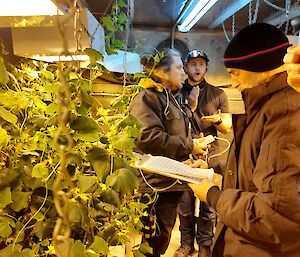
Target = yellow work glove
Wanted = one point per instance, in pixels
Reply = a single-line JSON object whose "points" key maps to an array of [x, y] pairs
{"points": [[201, 190]]}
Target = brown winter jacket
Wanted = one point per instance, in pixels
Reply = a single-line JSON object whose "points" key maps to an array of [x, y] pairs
{"points": [[165, 132], [259, 208]]}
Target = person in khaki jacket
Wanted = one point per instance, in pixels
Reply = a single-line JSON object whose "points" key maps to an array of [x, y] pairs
{"points": [[259, 206], [164, 132]]}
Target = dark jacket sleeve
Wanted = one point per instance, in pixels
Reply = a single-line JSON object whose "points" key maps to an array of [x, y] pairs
{"points": [[223, 105], [154, 138], [273, 212]]}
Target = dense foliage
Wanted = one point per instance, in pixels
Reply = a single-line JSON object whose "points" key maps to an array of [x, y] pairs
{"points": [[99, 189]]}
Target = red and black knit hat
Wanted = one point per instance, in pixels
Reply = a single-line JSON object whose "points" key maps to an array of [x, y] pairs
{"points": [[258, 47]]}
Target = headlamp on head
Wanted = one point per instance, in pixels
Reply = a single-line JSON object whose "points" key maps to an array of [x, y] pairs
{"points": [[196, 54]]}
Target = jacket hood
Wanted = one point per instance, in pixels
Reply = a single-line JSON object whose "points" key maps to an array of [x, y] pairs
{"points": [[150, 83]]}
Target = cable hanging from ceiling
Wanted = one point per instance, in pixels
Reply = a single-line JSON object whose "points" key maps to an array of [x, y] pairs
{"points": [[253, 19], [274, 6]]}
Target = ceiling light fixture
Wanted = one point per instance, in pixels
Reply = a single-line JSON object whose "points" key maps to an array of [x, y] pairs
{"points": [[194, 13], [28, 8]]}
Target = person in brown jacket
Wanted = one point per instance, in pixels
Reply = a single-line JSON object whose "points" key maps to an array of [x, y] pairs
{"points": [[166, 133], [259, 206]]}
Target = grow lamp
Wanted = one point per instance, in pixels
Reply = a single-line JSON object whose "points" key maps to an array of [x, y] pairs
{"points": [[28, 8], [194, 13]]}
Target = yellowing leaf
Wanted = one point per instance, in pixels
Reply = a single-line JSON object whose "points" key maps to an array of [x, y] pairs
{"points": [[5, 229], [100, 245], [3, 73], [51, 109], [8, 116], [20, 200], [40, 170], [5, 197], [4, 137]]}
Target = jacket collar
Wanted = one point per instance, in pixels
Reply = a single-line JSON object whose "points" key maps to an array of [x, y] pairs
{"points": [[254, 98], [201, 85]]}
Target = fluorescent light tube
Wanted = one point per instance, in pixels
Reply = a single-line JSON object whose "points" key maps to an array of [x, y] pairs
{"points": [[63, 58], [28, 8], [196, 14]]}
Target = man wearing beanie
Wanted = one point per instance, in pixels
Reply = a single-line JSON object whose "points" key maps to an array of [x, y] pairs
{"points": [[259, 206], [210, 114]]}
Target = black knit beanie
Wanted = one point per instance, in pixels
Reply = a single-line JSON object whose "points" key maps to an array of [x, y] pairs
{"points": [[258, 47]]}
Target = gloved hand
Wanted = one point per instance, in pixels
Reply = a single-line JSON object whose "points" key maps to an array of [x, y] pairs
{"points": [[212, 118], [292, 60], [201, 190], [200, 147]]}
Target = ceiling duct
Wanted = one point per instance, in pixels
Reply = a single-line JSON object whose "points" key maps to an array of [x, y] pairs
{"points": [[46, 40]]}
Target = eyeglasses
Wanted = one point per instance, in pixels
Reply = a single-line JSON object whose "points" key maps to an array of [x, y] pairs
{"points": [[195, 54]]}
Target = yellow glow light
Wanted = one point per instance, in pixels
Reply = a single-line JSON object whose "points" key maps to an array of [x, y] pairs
{"points": [[28, 8], [56, 58]]}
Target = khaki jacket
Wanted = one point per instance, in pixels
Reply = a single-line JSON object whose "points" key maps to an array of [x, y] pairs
{"points": [[165, 132], [259, 209]]}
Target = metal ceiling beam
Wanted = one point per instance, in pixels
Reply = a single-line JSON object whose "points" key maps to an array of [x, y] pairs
{"points": [[229, 11], [280, 17]]}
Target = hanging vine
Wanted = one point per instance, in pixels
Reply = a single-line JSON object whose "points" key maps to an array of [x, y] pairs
{"points": [[66, 185]]}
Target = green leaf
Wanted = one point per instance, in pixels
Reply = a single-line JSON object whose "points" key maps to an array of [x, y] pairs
{"points": [[100, 161], [88, 137], [8, 116], [78, 249], [85, 183], [20, 200], [84, 124], [5, 197], [112, 197], [83, 109], [3, 73], [5, 229], [96, 154], [122, 18], [94, 55], [4, 138], [122, 141], [11, 250], [118, 44], [100, 245], [123, 181], [40, 170], [121, 3], [108, 23], [102, 168], [7, 176]]}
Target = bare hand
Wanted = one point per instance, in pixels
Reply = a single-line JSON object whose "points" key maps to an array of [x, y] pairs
{"points": [[193, 98], [292, 60]]}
